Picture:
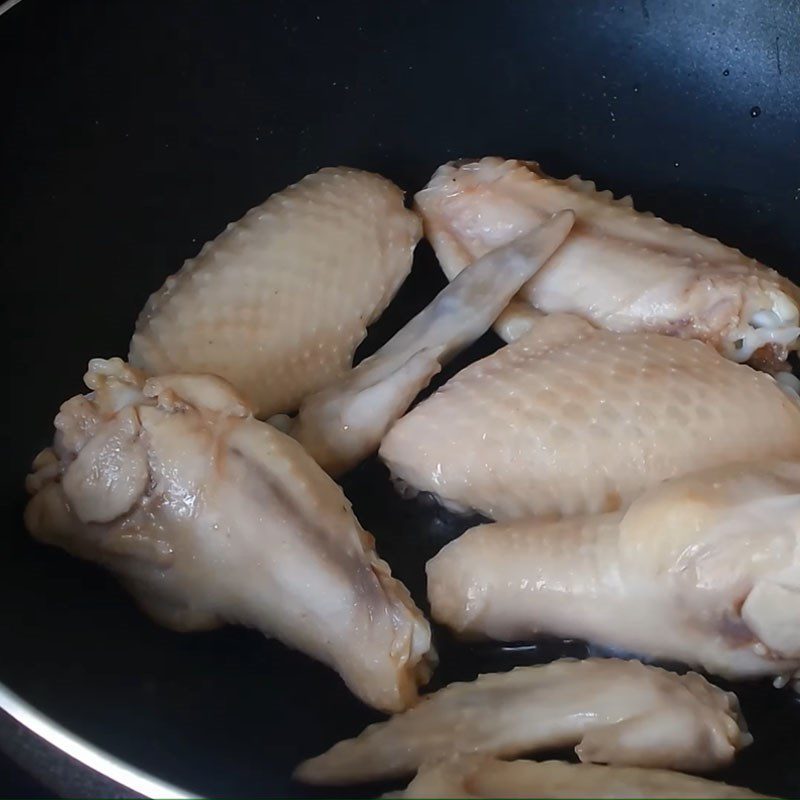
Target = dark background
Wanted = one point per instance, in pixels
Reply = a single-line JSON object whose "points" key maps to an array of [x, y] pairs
{"points": [[15, 782], [133, 130]]}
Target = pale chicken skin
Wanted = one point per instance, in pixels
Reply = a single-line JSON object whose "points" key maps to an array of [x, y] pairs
{"points": [[344, 423], [704, 569], [615, 711], [483, 776], [620, 269], [209, 516], [571, 420], [279, 301]]}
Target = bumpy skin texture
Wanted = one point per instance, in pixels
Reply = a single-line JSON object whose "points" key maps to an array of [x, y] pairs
{"points": [[346, 422], [279, 301], [621, 269], [574, 420], [209, 516], [481, 776], [704, 569], [621, 712]]}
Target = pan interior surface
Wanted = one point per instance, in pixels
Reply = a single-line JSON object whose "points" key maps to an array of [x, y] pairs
{"points": [[133, 131]]}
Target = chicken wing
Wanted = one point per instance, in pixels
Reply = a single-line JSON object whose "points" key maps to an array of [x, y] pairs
{"points": [[570, 419], [483, 776], [616, 711], [341, 425], [621, 269], [209, 516], [279, 301], [704, 569]]}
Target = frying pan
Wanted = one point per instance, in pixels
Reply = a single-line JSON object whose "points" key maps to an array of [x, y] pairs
{"points": [[133, 130]]}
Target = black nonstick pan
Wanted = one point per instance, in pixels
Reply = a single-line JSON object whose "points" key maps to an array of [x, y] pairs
{"points": [[132, 131]]}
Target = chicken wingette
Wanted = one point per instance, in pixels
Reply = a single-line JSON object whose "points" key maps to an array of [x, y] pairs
{"points": [[570, 420], [704, 569], [615, 711], [621, 269]]}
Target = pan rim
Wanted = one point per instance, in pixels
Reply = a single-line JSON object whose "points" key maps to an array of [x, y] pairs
{"points": [[85, 753], [8, 5]]}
